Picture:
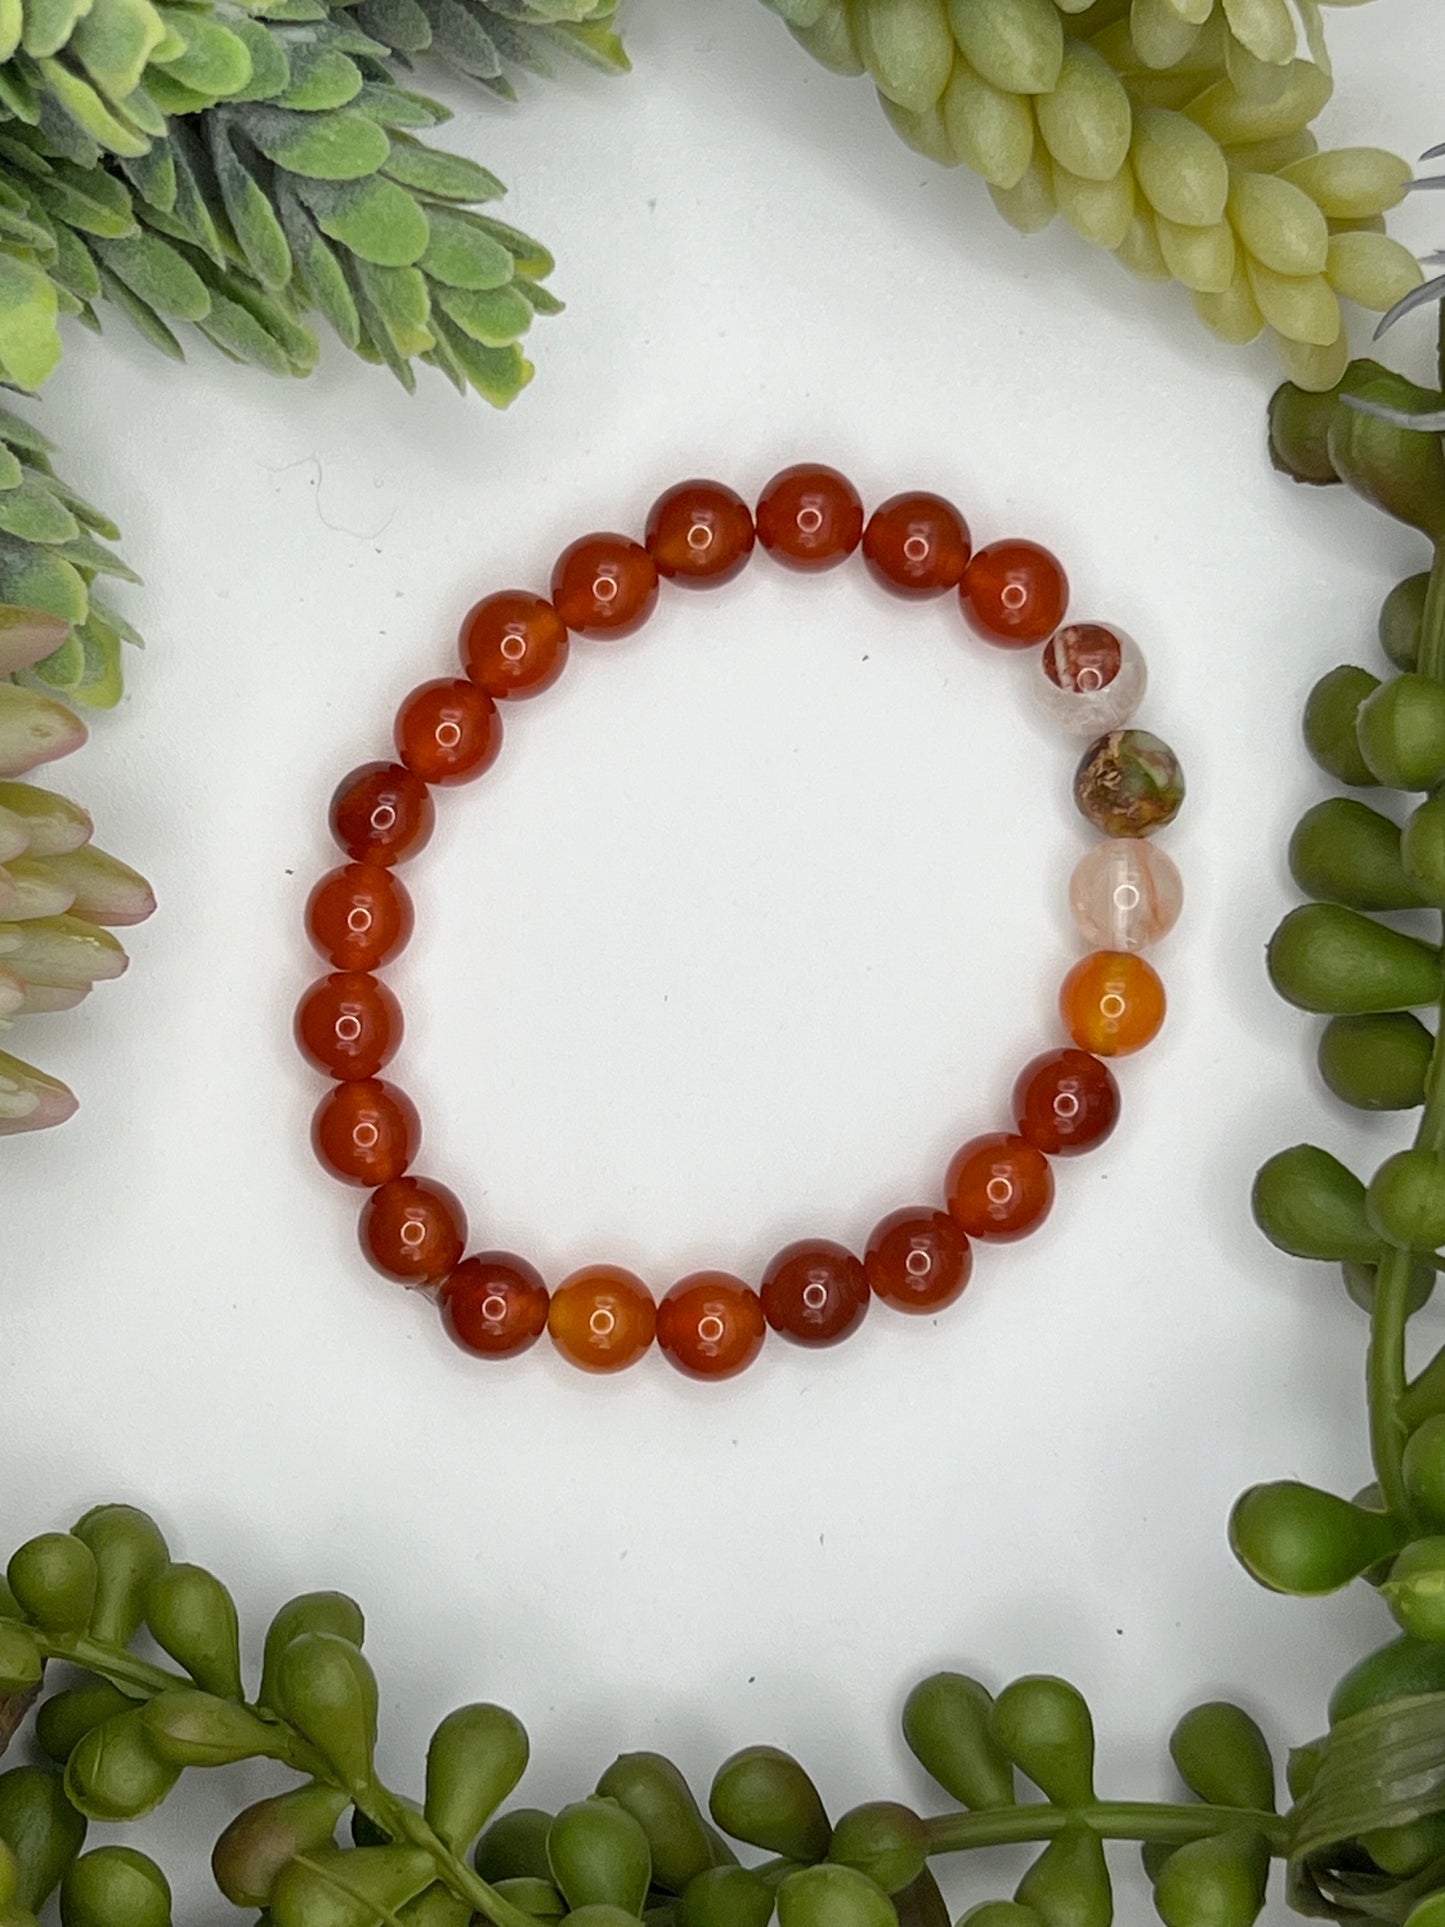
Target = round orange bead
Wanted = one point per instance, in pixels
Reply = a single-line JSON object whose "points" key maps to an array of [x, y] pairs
{"points": [[348, 1024], [711, 1325], [366, 1132], [604, 585], [494, 1305], [1015, 593], [382, 813], [918, 1260], [917, 545], [815, 1292], [810, 517], [602, 1319], [448, 731], [1112, 1003], [700, 534], [513, 644], [999, 1187], [359, 916], [413, 1230]]}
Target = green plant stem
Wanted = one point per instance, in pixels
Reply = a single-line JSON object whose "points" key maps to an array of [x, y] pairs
{"points": [[1173, 1825], [1392, 1399]]}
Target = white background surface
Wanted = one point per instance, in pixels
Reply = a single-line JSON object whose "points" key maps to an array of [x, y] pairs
{"points": [[751, 926]]}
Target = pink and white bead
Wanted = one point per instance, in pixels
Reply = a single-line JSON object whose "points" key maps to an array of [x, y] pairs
{"points": [[1090, 678], [1125, 894]]}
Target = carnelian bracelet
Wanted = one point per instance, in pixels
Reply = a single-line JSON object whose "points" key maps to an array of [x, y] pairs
{"points": [[1125, 894]]}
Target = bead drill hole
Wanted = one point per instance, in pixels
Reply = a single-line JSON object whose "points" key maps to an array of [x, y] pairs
{"points": [[1066, 1107], [1126, 896], [810, 520], [699, 538], [1014, 597], [348, 1029], [383, 818], [413, 1233], [815, 1297], [1091, 680], [710, 1329], [918, 1264], [1112, 1006], [366, 1137], [916, 548], [513, 646], [602, 1323], [448, 735], [358, 921], [605, 587], [494, 1307], [1000, 1191]]}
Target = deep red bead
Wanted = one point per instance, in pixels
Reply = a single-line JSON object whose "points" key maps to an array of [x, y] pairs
{"points": [[710, 1325], [382, 813], [348, 1024], [917, 545], [413, 1230], [448, 731], [494, 1305], [1066, 1101], [918, 1259], [815, 1292], [513, 644], [810, 517], [700, 534], [366, 1132], [359, 916], [604, 585], [1015, 593]]}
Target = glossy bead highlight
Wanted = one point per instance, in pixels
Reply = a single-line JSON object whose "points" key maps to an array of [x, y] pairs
{"points": [[366, 1132], [359, 916], [700, 534], [448, 731], [513, 644], [1112, 1003], [810, 517], [604, 585], [918, 1260], [348, 1025], [710, 1325], [382, 813], [917, 545], [1015, 593], [1065, 1102], [494, 1305], [413, 1230], [602, 1319], [815, 1292], [999, 1187]]}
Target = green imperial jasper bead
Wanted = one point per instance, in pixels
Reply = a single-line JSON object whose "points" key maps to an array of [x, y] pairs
{"points": [[1129, 783]]}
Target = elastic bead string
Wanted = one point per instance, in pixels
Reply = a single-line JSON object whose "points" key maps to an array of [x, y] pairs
{"points": [[1124, 894]]}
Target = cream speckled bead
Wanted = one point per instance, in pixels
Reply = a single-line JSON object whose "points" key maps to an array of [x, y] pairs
{"points": [[1125, 894], [1090, 678]]}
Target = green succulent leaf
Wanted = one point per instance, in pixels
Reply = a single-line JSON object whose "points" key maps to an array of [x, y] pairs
{"points": [[34, 514], [49, 25], [29, 336], [114, 42], [322, 78], [155, 271], [494, 316], [375, 218], [337, 146], [438, 175]]}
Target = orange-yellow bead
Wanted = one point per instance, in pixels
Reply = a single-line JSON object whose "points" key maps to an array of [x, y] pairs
{"points": [[1112, 1003], [602, 1319]]}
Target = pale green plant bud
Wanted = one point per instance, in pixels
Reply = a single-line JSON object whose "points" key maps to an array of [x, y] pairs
{"points": [[1302, 308], [34, 729], [1372, 224], [1017, 44], [1204, 259], [64, 952], [1352, 183], [1276, 156], [29, 1100], [1098, 211], [907, 46], [1259, 81], [102, 888], [1161, 35], [1196, 12], [27, 635], [44, 823], [1372, 269], [13, 994], [1180, 169], [1140, 251], [1221, 110], [1279, 224], [44, 1000], [1233, 314], [989, 130], [1265, 27], [1028, 205], [35, 891], [1313, 368], [831, 40], [1086, 120], [925, 133]]}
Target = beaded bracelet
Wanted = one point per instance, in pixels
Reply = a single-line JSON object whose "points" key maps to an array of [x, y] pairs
{"points": [[1125, 894]]}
